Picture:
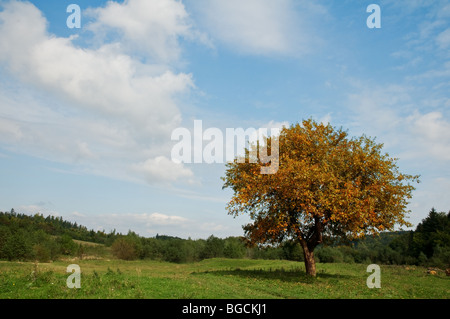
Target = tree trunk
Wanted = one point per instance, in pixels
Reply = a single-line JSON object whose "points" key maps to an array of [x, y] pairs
{"points": [[310, 263], [308, 243]]}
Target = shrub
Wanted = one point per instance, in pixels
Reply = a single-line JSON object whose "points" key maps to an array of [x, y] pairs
{"points": [[329, 255], [441, 257], [292, 251], [41, 253], [124, 248]]}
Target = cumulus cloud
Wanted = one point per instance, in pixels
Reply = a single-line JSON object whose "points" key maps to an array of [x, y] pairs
{"points": [[151, 28], [98, 105], [103, 80]]}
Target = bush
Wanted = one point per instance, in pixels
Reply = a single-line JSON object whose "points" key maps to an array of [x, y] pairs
{"points": [[271, 253], [422, 259], [329, 255], [41, 253], [441, 257], [124, 248], [292, 251]]}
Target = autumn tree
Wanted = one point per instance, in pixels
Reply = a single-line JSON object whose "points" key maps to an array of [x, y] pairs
{"points": [[325, 185]]}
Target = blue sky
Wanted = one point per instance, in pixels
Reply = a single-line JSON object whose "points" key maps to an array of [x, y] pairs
{"points": [[86, 114]]}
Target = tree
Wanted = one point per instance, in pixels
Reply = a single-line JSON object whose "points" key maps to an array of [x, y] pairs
{"points": [[18, 246], [214, 247], [233, 248], [432, 232], [327, 186], [67, 245]]}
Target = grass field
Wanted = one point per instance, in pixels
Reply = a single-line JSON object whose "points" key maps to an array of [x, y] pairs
{"points": [[215, 278]]}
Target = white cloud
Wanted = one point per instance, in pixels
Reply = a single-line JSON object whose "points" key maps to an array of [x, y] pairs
{"points": [[432, 132], [161, 169], [326, 119], [431, 192], [144, 224], [97, 106], [9, 130], [375, 110], [102, 81], [22, 25], [162, 219], [212, 227], [393, 115], [149, 27], [261, 27], [146, 219], [44, 208], [77, 214]]}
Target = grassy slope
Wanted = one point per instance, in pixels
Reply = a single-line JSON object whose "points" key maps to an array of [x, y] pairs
{"points": [[215, 278]]}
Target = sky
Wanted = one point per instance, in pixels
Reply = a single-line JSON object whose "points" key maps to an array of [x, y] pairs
{"points": [[87, 114]]}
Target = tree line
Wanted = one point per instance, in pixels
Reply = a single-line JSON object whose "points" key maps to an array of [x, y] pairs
{"points": [[35, 237], [26, 237]]}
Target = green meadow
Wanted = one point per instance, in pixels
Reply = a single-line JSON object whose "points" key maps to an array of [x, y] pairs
{"points": [[217, 278]]}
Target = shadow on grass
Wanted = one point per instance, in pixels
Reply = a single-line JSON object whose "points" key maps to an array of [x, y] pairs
{"points": [[286, 275]]}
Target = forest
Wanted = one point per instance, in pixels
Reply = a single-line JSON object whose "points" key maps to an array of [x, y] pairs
{"points": [[38, 238]]}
